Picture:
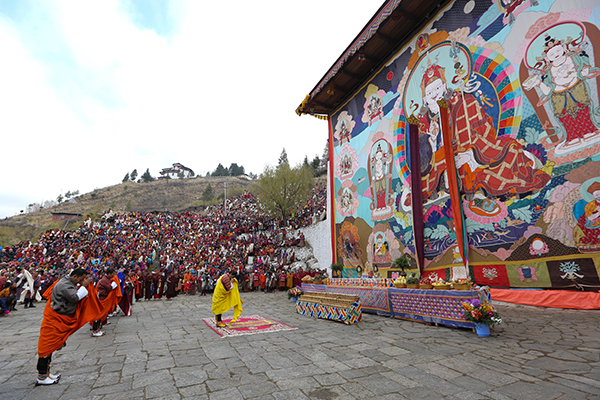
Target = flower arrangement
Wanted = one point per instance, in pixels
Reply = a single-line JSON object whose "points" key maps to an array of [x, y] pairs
{"points": [[481, 313], [295, 292]]}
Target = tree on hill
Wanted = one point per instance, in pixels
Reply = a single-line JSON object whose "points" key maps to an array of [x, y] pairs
{"points": [[283, 191], [126, 178], [283, 158], [146, 177], [315, 166], [220, 171], [325, 158], [208, 194], [134, 175], [235, 170]]}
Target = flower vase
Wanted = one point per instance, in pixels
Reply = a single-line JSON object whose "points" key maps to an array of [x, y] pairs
{"points": [[482, 329], [295, 299]]}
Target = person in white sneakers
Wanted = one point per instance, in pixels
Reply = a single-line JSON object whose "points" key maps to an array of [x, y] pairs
{"points": [[60, 321], [104, 286]]}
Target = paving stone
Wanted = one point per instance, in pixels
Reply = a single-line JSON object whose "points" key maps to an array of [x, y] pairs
{"points": [[419, 393], [148, 378], [308, 382], [559, 365], [438, 370], [162, 390], [525, 390], [290, 394], [258, 389], [193, 391], [111, 389], [227, 394]]}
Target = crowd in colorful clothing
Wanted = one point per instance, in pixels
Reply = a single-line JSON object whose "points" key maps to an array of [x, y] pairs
{"points": [[158, 255]]}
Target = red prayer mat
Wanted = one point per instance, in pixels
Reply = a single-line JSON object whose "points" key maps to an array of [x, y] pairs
{"points": [[248, 325]]}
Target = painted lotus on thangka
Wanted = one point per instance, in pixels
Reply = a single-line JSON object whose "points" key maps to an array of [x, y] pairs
{"points": [[509, 91]]}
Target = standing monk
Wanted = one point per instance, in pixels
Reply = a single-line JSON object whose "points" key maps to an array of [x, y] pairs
{"points": [[147, 285], [226, 295], [63, 316]]}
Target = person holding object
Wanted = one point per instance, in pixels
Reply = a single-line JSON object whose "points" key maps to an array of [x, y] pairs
{"points": [[226, 295], [63, 315]]}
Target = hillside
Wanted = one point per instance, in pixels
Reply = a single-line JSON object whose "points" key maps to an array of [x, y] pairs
{"points": [[172, 195]]}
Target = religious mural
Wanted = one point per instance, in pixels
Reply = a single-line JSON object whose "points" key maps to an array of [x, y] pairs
{"points": [[510, 90]]}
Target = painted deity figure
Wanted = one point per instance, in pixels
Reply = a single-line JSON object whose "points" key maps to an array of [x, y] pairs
{"points": [[565, 68], [587, 231], [349, 244], [381, 252], [380, 161], [346, 164], [487, 165], [344, 132], [346, 201], [374, 108]]}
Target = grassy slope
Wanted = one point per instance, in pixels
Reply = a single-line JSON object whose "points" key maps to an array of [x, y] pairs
{"points": [[164, 195]]}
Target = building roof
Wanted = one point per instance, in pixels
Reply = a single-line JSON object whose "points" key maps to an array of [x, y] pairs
{"points": [[392, 27], [65, 213]]}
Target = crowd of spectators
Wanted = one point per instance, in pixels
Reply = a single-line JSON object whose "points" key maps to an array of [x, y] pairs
{"points": [[164, 254]]}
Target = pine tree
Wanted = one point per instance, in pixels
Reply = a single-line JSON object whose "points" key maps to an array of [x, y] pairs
{"points": [[126, 178], [134, 175], [235, 170], [146, 177], [283, 158], [220, 171], [325, 157]]}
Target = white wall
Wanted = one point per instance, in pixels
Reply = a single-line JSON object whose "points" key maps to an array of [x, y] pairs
{"points": [[318, 237]]}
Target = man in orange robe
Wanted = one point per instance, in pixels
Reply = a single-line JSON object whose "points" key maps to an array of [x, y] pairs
{"points": [[68, 308]]}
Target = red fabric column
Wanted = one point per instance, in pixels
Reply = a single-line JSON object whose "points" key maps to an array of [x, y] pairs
{"points": [[459, 225], [331, 211], [416, 192]]}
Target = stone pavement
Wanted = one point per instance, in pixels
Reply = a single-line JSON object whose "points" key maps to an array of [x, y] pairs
{"points": [[165, 351]]}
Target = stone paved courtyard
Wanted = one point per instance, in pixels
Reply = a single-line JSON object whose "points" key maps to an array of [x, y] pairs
{"points": [[165, 351]]}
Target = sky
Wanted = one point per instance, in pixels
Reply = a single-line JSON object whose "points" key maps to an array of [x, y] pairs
{"points": [[91, 90]]}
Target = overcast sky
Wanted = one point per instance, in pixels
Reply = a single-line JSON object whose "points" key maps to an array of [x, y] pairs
{"points": [[90, 90]]}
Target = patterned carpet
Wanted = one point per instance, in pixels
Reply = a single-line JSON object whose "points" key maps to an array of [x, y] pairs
{"points": [[247, 325]]}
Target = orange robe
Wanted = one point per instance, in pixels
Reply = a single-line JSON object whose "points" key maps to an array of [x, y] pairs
{"points": [[56, 328], [263, 281]]}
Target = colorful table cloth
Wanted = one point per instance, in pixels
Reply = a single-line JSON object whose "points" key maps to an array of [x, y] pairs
{"points": [[442, 307]]}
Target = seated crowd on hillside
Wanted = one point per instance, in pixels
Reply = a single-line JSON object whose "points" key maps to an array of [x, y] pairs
{"points": [[161, 255]]}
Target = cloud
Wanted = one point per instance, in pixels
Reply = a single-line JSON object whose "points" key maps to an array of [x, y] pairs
{"points": [[92, 92]]}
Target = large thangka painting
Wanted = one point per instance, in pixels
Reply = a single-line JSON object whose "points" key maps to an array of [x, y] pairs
{"points": [[519, 83]]}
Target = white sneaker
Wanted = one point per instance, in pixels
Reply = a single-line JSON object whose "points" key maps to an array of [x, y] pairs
{"points": [[98, 334], [47, 381], [55, 377]]}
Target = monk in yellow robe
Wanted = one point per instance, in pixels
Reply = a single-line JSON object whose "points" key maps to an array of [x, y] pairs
{"points": [[225, 296]]}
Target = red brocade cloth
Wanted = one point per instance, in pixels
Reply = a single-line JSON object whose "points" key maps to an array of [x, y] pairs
{"points": [[549, 298]]}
